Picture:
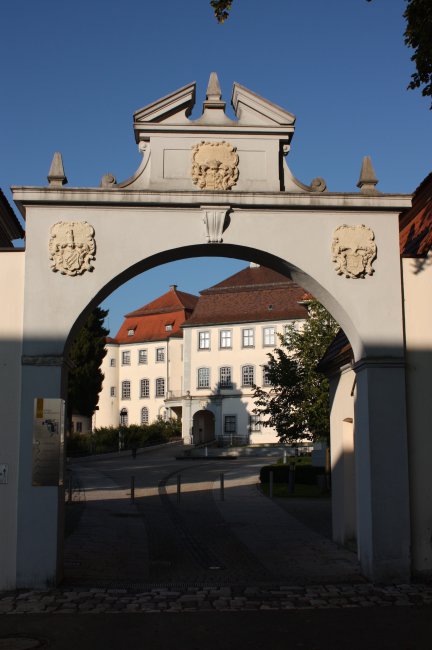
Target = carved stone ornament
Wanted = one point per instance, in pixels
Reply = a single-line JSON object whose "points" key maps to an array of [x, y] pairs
{"points": [[214, 219], [354, 250], [72, 247], [214, 165]]}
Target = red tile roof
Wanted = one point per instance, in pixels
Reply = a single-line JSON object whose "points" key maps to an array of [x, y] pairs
{"points": [[253, 294], [149, 323], [415, 225], [338, 354]]}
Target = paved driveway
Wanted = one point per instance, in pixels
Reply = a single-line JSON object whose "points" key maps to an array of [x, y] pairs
{"points": [[199, 538]]}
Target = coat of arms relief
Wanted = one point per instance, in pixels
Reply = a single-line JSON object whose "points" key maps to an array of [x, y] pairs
{"points": [[72, 247], [214, 165], [354, 250]]}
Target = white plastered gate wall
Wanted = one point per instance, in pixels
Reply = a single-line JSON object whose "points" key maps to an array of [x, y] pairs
{"points": [[293, 234]]}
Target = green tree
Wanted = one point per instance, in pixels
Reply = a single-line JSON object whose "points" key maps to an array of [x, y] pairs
{"points": [[297, 405], [418, 36], [221, 9], [86, 354]]}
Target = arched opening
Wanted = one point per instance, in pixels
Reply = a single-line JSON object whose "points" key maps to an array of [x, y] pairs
{"points": [[233, 425], [124, 417], [203, 429]]}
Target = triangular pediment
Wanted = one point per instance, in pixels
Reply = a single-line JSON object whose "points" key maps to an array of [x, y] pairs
{"points": [[178, 104], [251, 109]]}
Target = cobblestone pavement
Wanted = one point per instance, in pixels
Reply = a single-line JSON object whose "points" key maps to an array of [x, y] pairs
{"points": [[177, 598]]}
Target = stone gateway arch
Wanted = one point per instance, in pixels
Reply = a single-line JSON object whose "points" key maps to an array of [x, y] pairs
{"points": [[212, 186]]}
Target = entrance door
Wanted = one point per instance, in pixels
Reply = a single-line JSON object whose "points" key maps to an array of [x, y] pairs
{"points": [[203, 427]]}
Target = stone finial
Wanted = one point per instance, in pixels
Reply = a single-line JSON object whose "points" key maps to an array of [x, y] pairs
{"points": [[368, 179], [213, 89], [56, 176], [214, 93]]}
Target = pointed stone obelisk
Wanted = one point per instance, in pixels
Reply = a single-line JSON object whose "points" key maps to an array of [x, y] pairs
{"points": [[56, 176], [368, 179], [214, 93]]}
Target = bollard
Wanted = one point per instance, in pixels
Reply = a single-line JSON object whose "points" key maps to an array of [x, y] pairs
{"points": [[132, 489], [178, 487], [284, 457], [222, 487], [271, 485], [70, 488], [206, 452]]}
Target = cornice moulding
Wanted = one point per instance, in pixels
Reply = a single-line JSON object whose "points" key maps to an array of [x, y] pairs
{"points": [[117, 198]]}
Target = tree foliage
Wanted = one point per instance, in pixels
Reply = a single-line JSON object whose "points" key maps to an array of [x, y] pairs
{"points": [[86, 354], [221, 9], [297, 405], [418, 36]]}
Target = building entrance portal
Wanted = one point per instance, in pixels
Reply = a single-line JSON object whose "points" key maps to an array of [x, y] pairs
{"points": [[212, 186], [203, 429]]}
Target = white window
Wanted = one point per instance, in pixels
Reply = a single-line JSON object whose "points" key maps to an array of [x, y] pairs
{"points": [[248, 338], [112, 391], [131, 331], [124, 418], [265, 377], [160, 387], [248, 375], [255, 423], [225, 377], [203, 377], [168, 328], [126, 389], [160, 354], [144, 415], [145, 388], [269, 336], [112, 363], [142, 356], [204, 340], [225, 339], [126, 358], [230, 424]]}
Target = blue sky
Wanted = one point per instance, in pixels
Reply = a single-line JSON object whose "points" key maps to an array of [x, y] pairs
{"points": [[73, 74]]}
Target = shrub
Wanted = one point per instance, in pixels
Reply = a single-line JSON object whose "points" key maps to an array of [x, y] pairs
{"points": [[106, 439], [304, 474]]}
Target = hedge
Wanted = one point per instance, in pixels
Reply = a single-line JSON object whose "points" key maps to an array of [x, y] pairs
{"points": [[304, 474], [106, 439]]}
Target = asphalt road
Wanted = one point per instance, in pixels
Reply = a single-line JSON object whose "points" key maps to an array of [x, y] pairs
{"points": [[377, 628]]}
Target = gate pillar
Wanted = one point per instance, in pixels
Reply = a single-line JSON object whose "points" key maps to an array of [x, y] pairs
{"points": [[382, 470]]}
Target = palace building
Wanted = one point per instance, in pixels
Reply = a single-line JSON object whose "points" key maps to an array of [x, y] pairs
{"points": [[198, 358]]}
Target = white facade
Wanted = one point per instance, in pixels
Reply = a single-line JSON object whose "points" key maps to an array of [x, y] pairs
{"points": [[224, 361], [206, 378], [137, 379]]}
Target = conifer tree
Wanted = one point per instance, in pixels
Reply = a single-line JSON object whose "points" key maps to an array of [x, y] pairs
{"points": [[86, 354]]}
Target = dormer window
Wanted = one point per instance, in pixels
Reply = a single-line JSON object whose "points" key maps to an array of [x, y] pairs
{"points": [[131, 332], [168, 328]]}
